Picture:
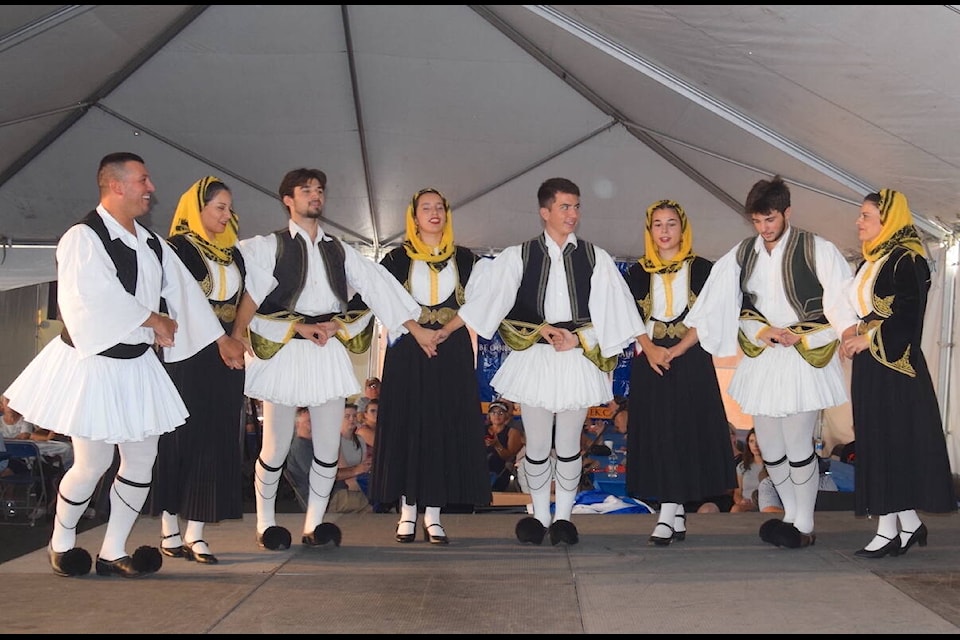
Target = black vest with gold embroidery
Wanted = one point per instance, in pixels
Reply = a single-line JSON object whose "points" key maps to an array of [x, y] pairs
{"points": [[578, 261], [398, 263], [290, 270], [192, 258], [800, 282]]}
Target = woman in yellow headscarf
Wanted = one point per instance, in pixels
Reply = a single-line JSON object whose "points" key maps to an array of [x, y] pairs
{"points": [[430, 425], [197, 476], [678, 442], [901, 463]]}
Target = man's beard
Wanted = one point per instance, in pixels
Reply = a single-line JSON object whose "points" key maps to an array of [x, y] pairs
{"points": [[314, 214]]}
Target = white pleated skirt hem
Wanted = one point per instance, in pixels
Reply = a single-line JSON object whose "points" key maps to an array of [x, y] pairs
{"points": [[98, 398], [302, 374], [554, 380], [779, 383]]}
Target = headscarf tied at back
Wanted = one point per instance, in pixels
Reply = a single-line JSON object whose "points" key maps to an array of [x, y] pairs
{"points": [[898, 229], [416, 248], [650, 261], [186, 221]]}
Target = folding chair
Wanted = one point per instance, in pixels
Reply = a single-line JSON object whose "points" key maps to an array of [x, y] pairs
{"points": [[24, 493]]}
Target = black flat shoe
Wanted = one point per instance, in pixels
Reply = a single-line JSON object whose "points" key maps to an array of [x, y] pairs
{"points": [[322, 534], [145, 560], [70, 563], [171, 552], [441, 538], [892, 548], [919, 536], [563, 531], [200, 558], [406, 537], [274, 538], [662, 542]]}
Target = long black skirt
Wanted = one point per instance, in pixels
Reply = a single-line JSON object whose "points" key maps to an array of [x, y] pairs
{"points": [[902, 460], [430, 427], [198, 469], [678, 440]]}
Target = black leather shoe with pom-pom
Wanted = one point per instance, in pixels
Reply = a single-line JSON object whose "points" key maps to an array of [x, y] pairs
{"points": [[274, 538], [322, 534], [530, 530], [70, 563], [563, 531]]}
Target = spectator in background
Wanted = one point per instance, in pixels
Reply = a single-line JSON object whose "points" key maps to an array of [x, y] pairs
{"points": [[353, 471], [300, 456], [755, 490], [503, 442]]}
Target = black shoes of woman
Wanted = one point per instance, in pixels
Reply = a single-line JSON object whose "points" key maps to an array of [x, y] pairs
{"points": [[435, 534], [892, 548], [171, 552], [406, 537], [919, 537], [663, 541], [200, 558]]}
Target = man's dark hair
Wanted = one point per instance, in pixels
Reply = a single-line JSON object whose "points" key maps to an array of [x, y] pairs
{"points": [[548, 191], [113, 163], [300, 178], [768, 195]]}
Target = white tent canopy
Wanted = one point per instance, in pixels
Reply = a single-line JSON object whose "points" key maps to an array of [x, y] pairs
{"points": [[633, 102]]}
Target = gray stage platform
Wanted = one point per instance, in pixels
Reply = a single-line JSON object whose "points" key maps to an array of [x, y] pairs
{"points": [[722, 579]]}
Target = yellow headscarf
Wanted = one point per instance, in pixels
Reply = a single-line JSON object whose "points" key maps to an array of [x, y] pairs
{"points": [[651, 261], [898, 229], [186, 221], [416, 248]]}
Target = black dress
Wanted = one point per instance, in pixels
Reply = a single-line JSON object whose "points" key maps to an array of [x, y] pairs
{"points": [[902, 460], [679, 438], [430, 425], [197, 474]]}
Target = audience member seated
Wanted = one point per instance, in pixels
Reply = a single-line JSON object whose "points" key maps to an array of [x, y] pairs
{"points": [[300, 456], [503, 442], [353, 472], [368, 422], [755, 490], [57, 450]]}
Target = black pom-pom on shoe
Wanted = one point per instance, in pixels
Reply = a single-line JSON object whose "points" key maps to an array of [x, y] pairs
{"points": [[147, 559], [768, 530], [274, 538], [322, 534], [788, 536], [71, 563], [530, 530], [563, 531]]}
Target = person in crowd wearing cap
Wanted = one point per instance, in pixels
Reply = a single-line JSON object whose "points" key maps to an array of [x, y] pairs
{"points": [[504, 441], [430, 450], [902, 462], [197, 475], [100, 381], [680, 449], [299, 326], [566, 313], [778, 296]]}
